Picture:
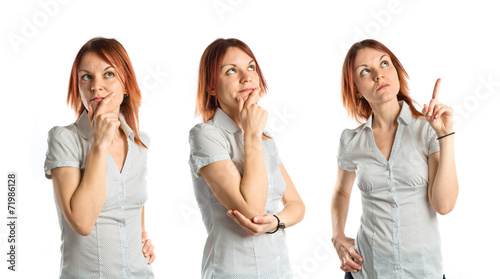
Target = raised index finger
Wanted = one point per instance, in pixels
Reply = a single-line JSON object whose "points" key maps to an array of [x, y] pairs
{"points": [[436, 89]]}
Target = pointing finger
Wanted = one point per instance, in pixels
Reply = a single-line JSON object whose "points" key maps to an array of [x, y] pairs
{"points": [[436, 89]]}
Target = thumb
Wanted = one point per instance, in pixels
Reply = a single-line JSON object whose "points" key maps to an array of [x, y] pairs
{"points": [[268, 218]]}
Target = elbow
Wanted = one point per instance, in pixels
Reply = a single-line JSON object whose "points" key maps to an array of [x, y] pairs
{"points": [[303, 212], [444, 208], [82, 228], [254, 212]]}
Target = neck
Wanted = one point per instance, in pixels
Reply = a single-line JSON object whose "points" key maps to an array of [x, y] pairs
{"points": [[385, 115]]}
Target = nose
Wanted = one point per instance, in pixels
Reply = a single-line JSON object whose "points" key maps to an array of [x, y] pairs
{"points": [[246, 77], [378, 74], [97, 84]]}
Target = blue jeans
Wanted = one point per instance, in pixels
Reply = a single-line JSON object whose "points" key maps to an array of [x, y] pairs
{"points": [[348, 275]]}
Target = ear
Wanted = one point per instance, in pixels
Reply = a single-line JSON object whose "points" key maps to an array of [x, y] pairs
{"points": [[358, 95]]}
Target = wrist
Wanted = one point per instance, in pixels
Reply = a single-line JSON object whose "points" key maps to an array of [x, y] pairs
{"points": [[98, 149], [338, 236], [280, 225], [443, 135], [252, 137]]}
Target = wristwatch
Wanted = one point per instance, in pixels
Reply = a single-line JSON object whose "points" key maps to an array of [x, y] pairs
{"points": [[281, 225]]}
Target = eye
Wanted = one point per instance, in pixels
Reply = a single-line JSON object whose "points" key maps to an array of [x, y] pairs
{"points": [[364, 72], [109, 74], [86, 77], [230, 71], [384, 64], [251, 67]]}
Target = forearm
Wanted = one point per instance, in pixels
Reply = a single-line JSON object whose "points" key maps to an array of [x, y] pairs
{"points": [[254, 183], [339, 210], [445, 185], [292, 213], [88, 199]]}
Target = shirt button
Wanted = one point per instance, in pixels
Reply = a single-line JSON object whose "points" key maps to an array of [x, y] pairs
{"points": [[121, 225], [120, 208]]}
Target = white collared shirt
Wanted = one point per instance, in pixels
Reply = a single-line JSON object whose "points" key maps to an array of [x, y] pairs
{"points": [[230, 252], [398, 236], [114, 247]]}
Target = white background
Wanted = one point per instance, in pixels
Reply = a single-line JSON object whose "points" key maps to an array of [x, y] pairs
{"points": [[300, 46]]}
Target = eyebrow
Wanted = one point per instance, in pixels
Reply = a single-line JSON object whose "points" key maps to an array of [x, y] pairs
{"points": [[89, 72], [367, 65], [234, 65]]}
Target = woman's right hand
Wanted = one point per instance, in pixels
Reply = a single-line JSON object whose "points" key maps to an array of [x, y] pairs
{"points": [[103, 122], [347, 254], [253, 117]]}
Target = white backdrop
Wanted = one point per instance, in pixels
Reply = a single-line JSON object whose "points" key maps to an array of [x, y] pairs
{"points": [[300, 46]]}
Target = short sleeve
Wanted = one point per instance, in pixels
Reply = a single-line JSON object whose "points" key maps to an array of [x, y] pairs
{"points": [[62, 150], [208, 145], [432, 140], [343, 159]]}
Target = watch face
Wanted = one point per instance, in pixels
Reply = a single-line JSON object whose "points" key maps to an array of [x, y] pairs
{"points": [[281, 225]]}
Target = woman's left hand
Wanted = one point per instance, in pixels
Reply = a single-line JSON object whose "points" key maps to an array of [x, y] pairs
{"points": [[148, 248], [439, 115], [259, 224]]}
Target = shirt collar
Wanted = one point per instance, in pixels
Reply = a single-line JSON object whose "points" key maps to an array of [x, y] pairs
{"points": [[223, 120], [83, 126], [404, 115]]}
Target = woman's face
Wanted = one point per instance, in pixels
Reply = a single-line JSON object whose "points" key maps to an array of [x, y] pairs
{"points": [[375, 76], [238, 77], [96, 80]]}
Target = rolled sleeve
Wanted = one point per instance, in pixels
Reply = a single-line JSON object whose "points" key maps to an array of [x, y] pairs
{"points": [[343, 159], [208, 146], [62, 150]]}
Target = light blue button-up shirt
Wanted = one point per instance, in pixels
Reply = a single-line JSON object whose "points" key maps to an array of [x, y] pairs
{"points": [[230, 252], [398, 236], [114, 247]]}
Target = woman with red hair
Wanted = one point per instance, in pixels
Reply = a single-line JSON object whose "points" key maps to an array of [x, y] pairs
{"points": [[97, 166], [404, 163], [238, 177]]}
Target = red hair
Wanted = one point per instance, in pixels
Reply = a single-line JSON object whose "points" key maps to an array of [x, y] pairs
{"points": [[208, 75], [359, 108], [111, 51]]}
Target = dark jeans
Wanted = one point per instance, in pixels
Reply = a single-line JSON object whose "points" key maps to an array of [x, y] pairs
{"points": [[348, 275]]}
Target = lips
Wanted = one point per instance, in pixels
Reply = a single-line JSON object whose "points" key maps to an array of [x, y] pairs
{"points": [[96, 99], [382, 86], [246, 90]]}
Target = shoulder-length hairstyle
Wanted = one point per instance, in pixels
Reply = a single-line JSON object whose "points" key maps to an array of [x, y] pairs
{"points": [[111, 51], [208, 75], [359, 108]]}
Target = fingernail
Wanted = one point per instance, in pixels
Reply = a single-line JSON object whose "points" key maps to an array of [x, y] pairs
{"points": [[256, 219], [147, 254]]}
